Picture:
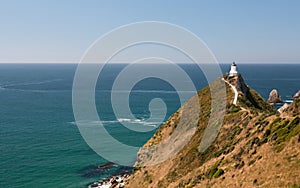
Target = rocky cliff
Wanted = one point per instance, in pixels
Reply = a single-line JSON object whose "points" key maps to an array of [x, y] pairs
{"points": [[297, 95], [293, 109], [256, 147]]}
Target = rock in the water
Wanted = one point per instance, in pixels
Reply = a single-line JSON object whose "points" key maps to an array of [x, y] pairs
{"points": [[297, 95], [274, 97]]}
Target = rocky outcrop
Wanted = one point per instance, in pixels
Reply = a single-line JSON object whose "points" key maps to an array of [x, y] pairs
{"points": [[274, 97], [112, 182], [248, 97], [294, 108], [283, 108], [297, 95]]}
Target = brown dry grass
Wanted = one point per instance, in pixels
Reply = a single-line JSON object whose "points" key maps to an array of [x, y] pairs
{"points": [[248, 156]]}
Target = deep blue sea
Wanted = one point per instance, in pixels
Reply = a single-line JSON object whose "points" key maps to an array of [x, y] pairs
{"points": [[40, 145]]}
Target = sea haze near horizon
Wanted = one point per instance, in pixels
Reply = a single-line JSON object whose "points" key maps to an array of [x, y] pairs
{"points": [[39, 142]]}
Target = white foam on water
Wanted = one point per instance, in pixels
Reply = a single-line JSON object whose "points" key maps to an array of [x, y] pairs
{"points": [[119, 120], [10, 86], [31, 83]]}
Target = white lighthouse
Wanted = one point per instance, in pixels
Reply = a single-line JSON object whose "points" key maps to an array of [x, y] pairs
{"points": [[233, 71]]}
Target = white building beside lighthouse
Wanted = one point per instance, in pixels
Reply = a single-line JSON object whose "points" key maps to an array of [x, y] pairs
{"points": [[233, 72]]}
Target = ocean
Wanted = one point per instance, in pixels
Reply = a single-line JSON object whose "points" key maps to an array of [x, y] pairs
{"points": [[40, 143]]}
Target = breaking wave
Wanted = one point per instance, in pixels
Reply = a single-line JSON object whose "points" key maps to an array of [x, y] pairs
{"points": [[120, 120]]}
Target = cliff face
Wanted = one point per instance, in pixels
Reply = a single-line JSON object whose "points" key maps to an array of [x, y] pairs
{"points": [[297, 95], [293, 109], [255, 147], [248, 98]]}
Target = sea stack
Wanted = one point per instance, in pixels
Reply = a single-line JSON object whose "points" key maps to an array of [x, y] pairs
{"points": [[297, 95], [274, 97]]}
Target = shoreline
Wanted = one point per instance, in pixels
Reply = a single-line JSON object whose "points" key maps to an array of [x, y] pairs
{"points": [[116, 181]]}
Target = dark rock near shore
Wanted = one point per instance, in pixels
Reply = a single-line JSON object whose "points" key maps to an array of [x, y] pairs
{"points": [[112, 182], [274, 97], [117, 180], [95, 171], [108, 164]]}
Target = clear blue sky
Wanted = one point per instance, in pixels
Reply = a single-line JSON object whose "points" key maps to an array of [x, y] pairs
{"points": [[61, 30]]}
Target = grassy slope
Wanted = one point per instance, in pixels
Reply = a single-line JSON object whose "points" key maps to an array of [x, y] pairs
{"points": [[255, 147]]}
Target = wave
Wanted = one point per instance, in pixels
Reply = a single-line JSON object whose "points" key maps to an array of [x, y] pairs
{"points": [[11, 86], [288, 101], [31, 83], [138, 121], [119, 120], [34, 90]]}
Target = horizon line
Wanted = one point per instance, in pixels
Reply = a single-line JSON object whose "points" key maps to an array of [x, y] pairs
{"points": [[125, 62]]}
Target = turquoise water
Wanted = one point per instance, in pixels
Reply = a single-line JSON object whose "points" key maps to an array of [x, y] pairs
{"points": [[41, 146]]}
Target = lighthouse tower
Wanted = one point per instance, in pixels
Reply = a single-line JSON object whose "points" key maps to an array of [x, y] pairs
{"points": [[233, 71]]}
